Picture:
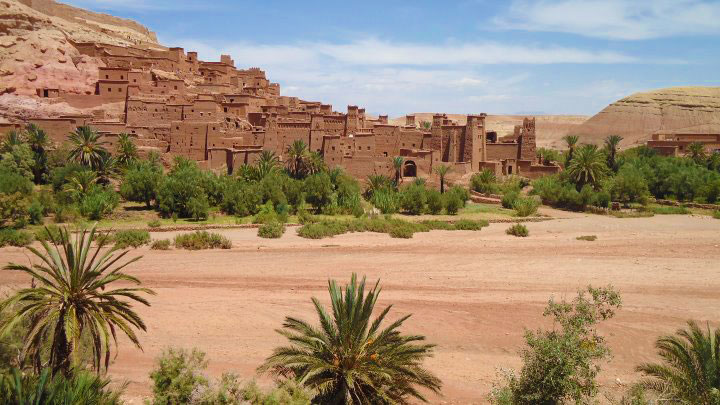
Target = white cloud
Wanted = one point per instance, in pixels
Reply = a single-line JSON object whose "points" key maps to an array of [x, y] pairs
{"points": [[614, 19]]}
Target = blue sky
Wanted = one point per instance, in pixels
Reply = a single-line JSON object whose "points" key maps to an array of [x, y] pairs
{"points": [[467, 56]]}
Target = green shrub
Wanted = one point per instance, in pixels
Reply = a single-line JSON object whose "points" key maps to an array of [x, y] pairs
{"points": [[82, 387], [323, 229], [484, 182], [413, 199], [589, 238], [287, 392], [98, 203], [519, 230], [453, 203], [155, 223], [65, 213], [104, 238], [716, 214], [318, 189], [160, 244], [560, 364], [13, 208], [271, 230], [14, 237], [434, 202], [524, 207], [266, 214], [202, 240], [140, 182], [177, 375], [12, 182], [386, 200], [441, 225], [401, 231], [470, 225], [198, 208], [36, 213], [667, 210], [509, 198], [131, 238]]}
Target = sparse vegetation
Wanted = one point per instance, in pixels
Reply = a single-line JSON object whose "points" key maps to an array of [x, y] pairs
{"points": [[14, 237], [199, 240], [525, 207], [667, 209], [160, 244], [131, 238], [396, 228], [716, 214], [519, 230], [155, 223], [271, 230], [588, 238]]}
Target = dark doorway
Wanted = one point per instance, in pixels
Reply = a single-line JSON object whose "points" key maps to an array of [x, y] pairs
{"points": [[409, 169]]}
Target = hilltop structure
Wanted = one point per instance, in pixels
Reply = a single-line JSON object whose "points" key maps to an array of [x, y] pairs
{"points": [[675, 142], [173, 103]]}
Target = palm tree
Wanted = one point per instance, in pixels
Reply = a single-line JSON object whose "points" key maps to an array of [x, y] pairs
{"points": [[696, 151], [612, 143], [75, 298], [397, 163], [106, 168], [80, 183], [267, 163], [690, 368], [12, 138], [348, 359], [587, 166], [38, 141], [571, 141], [127, 151], [442, 171], [297, 155], [377, 182], [87, 148], [80, 388], [315, 163]]}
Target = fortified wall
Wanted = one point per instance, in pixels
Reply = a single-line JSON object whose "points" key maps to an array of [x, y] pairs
{"points": [[224, 117]]}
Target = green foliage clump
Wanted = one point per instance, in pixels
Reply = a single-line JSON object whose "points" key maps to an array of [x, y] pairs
{"points": [[386, 200], [402, 231], [48, 232], [160, 244], [98, 203], [508, 199], [185, 190], [131, 238], [413, 199], [140, 182], [438, 225], [561, 364], [588, 238], [80, 387], [484, 182], [14, 237], [470, 225], [452, 203], [155, 223], [287, 392], [667, 210], [271, 230], [434, 202], [524, 207], [519, 230], [629, 186], [199, 240], [716, 214], [177, 375]]}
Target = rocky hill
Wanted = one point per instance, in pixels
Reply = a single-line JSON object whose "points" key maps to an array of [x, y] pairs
{"points": [[36, 48], [638, 116]]}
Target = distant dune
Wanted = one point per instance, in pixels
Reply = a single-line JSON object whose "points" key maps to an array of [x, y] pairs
{"points": [[550, 128]]}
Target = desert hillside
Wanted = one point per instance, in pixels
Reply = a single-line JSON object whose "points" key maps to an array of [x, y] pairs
{"points": [[637, 116], [550, 128], [36, 45]]}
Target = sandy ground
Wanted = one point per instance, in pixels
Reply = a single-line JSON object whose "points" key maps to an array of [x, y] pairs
{"points": [[471, 293]]}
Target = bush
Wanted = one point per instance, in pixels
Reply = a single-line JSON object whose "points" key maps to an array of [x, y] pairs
{"points": [[271, 230], [140, 182], [288, 392], [266, 214], [98, 203], [13, 208], [560, 365], [413, 199], [716, 214], [434, 202], [82, 387], [440, 225], [318, 189], [12, 182], [630, 186], [202, 240], [509, 198], [323, 229], [524, 207], [484, 182], [453, 203], [198, 208], [14, 237], [160, 244], [667, 210], [48, 232], [470, 225], [461, 193], [386, 200], [401, 231], [36, 213], [178, 373], [589, 238], [182, 184], [519, 230], [131, 238], [155, 223], [104, 238]]}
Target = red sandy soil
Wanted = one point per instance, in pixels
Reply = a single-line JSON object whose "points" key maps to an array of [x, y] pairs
{"points": [[471, 293]]}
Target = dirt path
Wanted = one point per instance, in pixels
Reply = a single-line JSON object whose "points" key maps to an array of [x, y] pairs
{"points": [[471, 293]]}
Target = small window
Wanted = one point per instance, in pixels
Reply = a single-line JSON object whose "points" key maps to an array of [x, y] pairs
{"points": [[107, 77], [119, 89], [385, 153], [134, 80], [225, 109], [368, 148], [122, 77], [109, 90], [175, 87]]}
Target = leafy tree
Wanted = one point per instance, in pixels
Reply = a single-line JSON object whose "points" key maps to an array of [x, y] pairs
{"points": [[397, 163], [183, 183], [127, 151], [612, 143], [297, 155], [587, 166], [267, 164], [413, 199], [561, 364], [442, 171], [690, 368], [318, 190], [349, 359], [75, 298], [315, 163], [86, 146], [18, 159], [140, 182], [630, 186], [38, 141]]}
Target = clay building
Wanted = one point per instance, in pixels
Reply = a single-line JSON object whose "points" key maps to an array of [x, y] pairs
{"points": [[224, 117], [675, 142]]}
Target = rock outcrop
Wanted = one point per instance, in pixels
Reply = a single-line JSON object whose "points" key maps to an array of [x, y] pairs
{"points": [[638, 116]]}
